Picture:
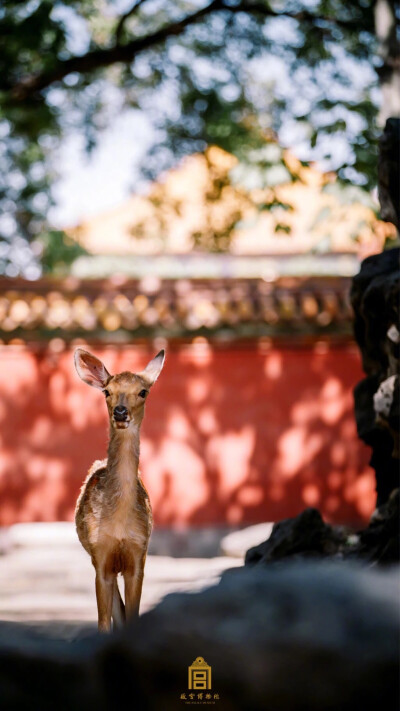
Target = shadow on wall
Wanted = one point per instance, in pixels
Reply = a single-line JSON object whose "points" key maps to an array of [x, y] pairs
{"points": [[230, 436]]}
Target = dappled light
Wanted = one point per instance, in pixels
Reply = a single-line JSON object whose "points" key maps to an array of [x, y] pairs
{"points": [[230, 437]]}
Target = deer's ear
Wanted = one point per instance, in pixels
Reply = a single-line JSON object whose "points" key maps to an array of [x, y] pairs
{"points": [[90, 369], [153, 369]]}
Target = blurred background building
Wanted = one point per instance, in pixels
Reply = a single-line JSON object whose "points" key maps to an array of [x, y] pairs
{"points": [[245, 280]]}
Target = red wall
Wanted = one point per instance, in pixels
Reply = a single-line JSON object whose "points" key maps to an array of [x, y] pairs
{"points": [[230, 435]]}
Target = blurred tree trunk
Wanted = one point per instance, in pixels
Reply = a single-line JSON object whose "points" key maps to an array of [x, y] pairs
{"points": [[389, 51], [389, 172], [386, 26]]}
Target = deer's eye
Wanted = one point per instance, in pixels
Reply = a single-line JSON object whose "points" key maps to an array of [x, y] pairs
{"points": [[106, 393], [143, 393]]}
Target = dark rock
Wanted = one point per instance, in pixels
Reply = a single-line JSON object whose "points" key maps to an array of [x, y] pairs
{"points": [[380, 541], [375, 300], [303, 637], [375, 297], [306, 535], [393, 421], [37, 662]]}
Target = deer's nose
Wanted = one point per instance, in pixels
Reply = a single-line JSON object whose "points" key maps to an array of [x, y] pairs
{"points": [[120, 413]]}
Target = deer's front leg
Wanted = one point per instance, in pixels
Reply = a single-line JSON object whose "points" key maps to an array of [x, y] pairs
{"points": [[133, 585], [104, 597]]}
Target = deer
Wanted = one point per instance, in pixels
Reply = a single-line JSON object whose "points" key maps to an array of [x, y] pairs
{"points": [[113, 515]]}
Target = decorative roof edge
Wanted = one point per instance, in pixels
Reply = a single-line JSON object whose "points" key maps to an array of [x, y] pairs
{"points": [[116, 309]]}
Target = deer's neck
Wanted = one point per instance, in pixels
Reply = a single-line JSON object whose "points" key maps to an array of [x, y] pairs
{"points": [[123, 459]]}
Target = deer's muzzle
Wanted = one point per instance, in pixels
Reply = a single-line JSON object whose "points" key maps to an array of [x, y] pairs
{"points": [[120, 413]]}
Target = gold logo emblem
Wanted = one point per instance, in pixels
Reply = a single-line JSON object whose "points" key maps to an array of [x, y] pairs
{"points": [[199, 675]]}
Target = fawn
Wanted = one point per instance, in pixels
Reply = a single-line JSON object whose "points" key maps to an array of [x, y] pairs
{"points": [[113, 514]]}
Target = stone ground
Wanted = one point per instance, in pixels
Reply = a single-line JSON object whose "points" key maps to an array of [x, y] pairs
{"points": [[46, 577]]}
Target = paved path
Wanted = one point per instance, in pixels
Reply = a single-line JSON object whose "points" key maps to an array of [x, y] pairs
{"points": [[42, 582]]}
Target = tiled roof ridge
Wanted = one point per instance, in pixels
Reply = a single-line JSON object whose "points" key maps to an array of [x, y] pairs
{"points": [[71, 307]]}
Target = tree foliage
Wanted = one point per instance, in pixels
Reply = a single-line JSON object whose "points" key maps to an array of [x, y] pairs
{"points": [[230, 73]]}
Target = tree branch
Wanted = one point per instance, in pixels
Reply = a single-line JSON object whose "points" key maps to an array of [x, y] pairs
{"points": [[124, 18], [126, 53], [110, 55]]}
